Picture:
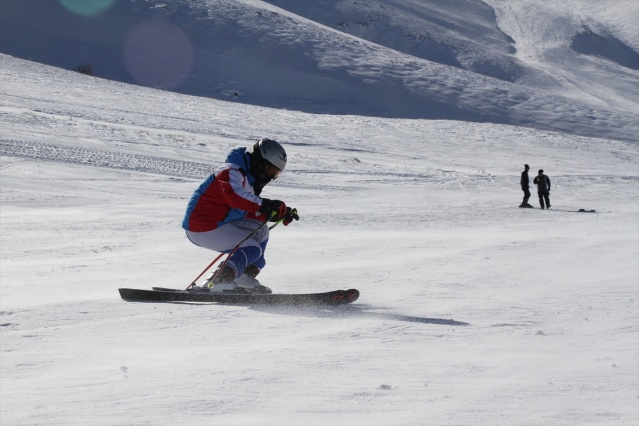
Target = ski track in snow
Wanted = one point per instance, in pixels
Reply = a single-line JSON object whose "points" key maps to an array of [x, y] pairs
{"points": [[40, 151], [118, 160]]}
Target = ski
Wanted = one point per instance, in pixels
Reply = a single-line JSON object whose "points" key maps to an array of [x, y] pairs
{"points": [[336, 297]]}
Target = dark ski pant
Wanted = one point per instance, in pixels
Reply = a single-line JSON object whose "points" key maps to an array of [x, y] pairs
{"points": [[544, 196], [526, 196]]}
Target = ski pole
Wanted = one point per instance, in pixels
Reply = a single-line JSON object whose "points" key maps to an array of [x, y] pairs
{"points": [[204, 271], [233, 251]]}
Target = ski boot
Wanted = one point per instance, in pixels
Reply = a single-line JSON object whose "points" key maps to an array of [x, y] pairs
{"points": [[247, 281], [222, 281]]}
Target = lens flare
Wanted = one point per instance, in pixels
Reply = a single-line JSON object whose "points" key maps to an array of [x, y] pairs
{"points": [[88, 7], [158, 54]]}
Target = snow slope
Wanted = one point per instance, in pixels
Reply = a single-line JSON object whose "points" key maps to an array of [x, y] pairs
{"points": [[472, 311], [572, 67]]}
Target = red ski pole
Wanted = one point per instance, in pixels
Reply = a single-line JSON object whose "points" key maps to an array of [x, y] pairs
{"points": [[204, 271]]}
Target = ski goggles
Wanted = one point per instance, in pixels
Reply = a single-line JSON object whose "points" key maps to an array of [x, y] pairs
{"points": [[271, 171]]}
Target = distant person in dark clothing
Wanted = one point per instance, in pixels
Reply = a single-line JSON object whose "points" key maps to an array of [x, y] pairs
{"points": [[543, 188], [525, 184]]}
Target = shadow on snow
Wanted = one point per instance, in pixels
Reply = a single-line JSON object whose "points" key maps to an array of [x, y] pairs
{"points": [[351, 311]]}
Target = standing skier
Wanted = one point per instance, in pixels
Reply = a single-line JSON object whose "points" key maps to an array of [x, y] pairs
{"points": [[525, 185], [543, 188], [226, 208]]}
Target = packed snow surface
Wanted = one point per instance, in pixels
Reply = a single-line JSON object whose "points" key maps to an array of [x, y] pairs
{"points": [[472, 311]]}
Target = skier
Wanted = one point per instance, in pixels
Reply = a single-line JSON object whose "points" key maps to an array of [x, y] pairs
{"points": [[226, 208], [525, 185], [543, 188]]}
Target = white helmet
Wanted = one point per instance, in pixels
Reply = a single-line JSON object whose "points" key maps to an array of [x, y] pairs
{"points": [[271, 151]]}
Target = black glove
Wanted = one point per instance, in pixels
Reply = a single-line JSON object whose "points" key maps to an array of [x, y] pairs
{"points": [[291, 214], [274, 210]]}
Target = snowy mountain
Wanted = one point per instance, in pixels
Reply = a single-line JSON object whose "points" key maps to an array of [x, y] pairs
{"points": [[472, 311], [572, 66]]}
